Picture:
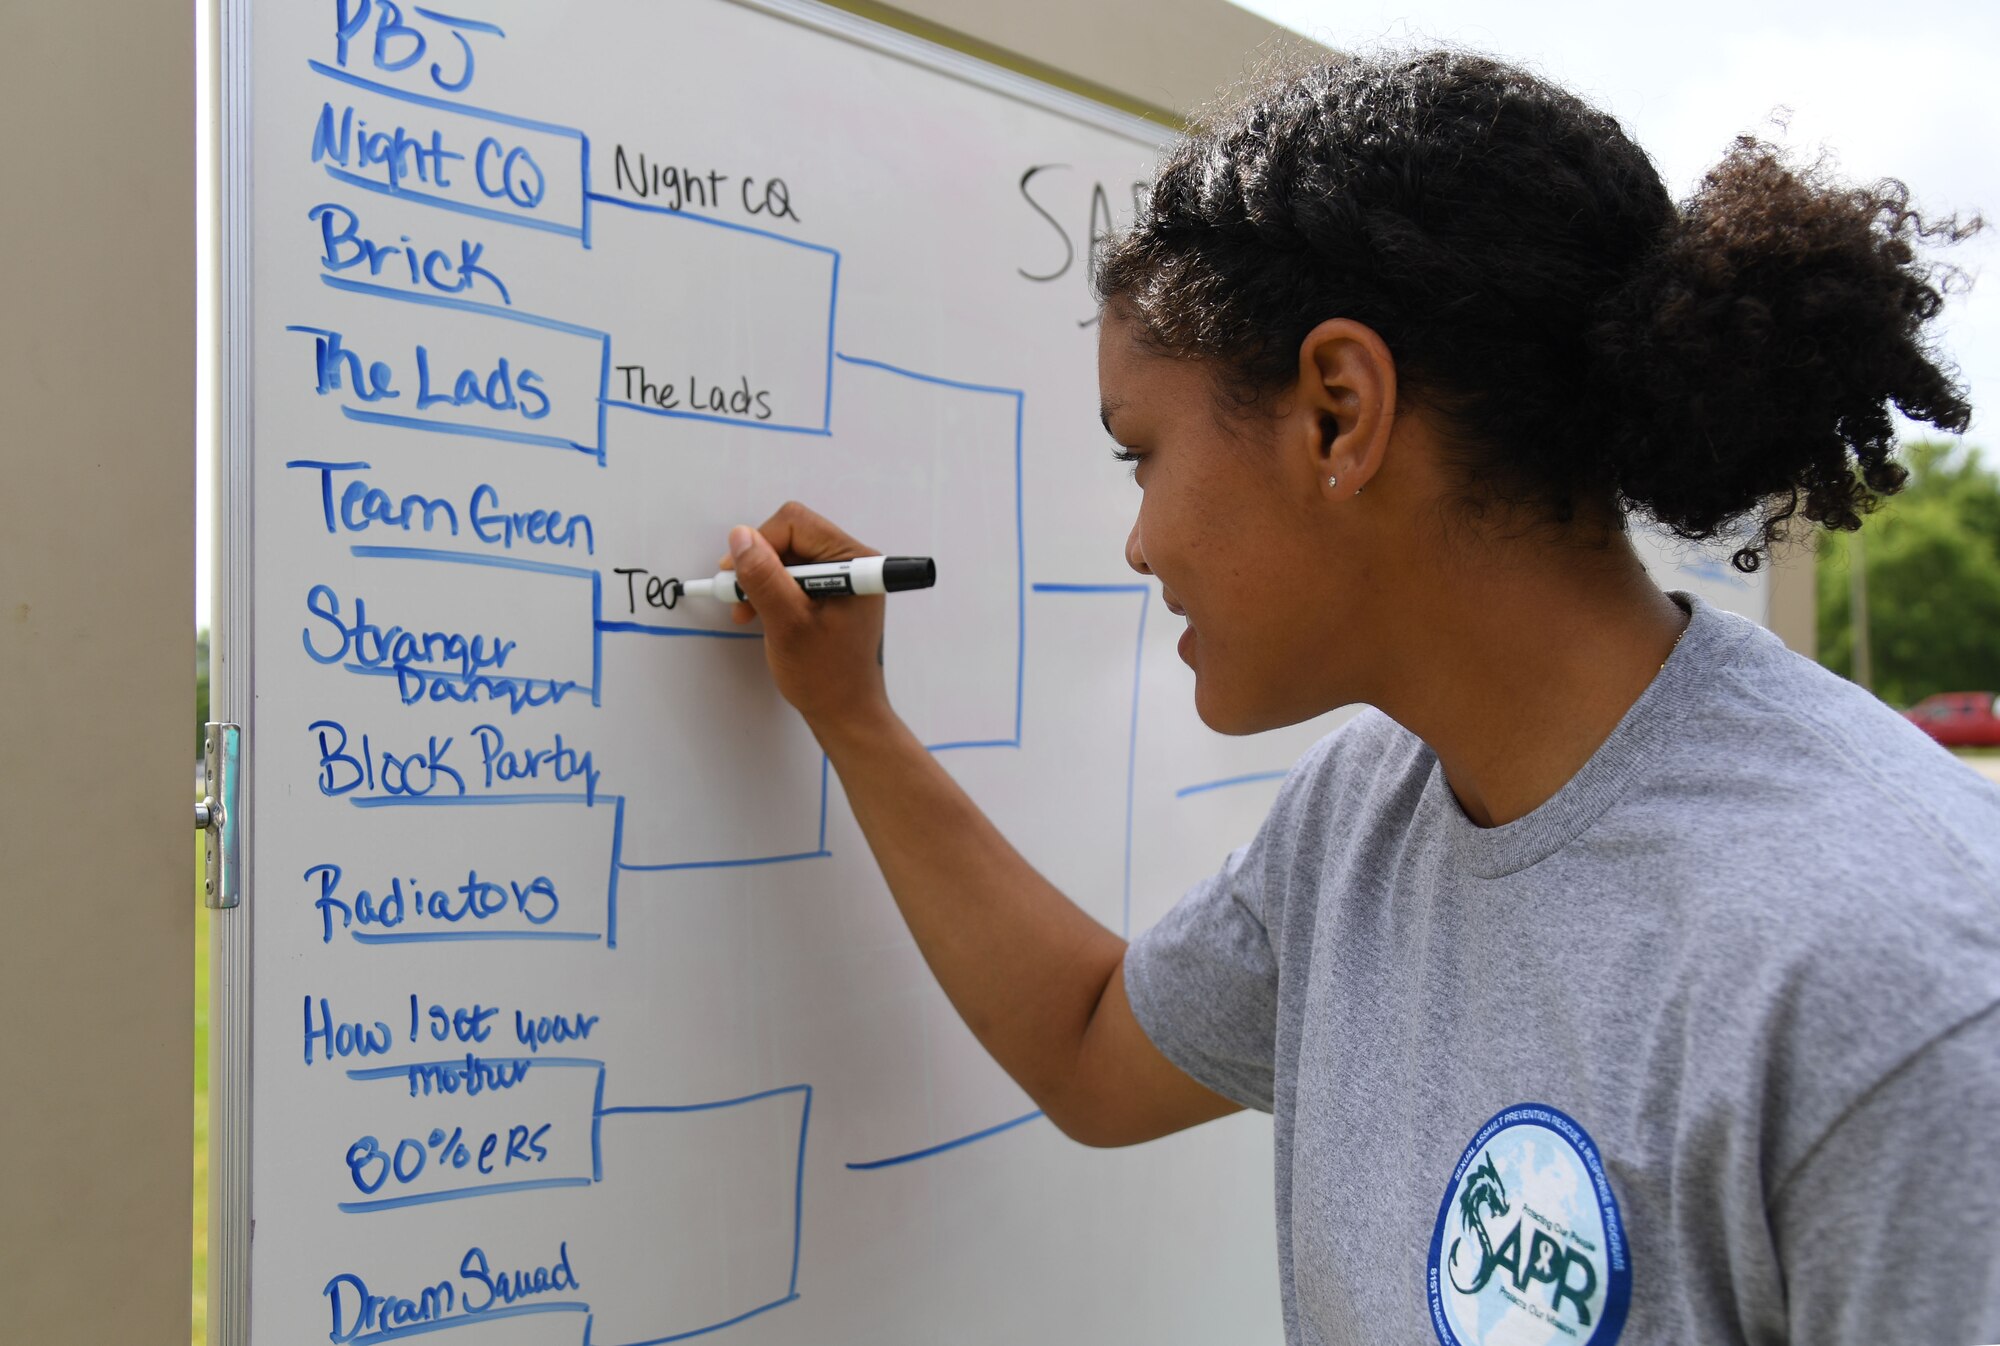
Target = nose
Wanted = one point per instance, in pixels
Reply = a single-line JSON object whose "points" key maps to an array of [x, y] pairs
{"points": [[1135, 554]]}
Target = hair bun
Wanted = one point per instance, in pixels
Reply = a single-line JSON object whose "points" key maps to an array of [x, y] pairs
{"points": [[1746, 367]]}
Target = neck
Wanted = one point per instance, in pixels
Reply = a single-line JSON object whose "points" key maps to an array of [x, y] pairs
{"points": [[1515, 675]]}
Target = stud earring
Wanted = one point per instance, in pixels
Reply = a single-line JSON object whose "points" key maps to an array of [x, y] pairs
{"points": [[1333, 481]]}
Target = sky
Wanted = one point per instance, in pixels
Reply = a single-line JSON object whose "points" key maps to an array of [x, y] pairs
{"points": [[1903, 91], [1911, 98]]}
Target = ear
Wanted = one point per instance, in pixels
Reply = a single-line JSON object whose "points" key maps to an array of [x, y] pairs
{"points": [[1344, 405]]}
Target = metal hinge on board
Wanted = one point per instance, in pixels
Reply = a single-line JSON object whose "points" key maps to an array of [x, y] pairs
{"points": [[218, 813]]}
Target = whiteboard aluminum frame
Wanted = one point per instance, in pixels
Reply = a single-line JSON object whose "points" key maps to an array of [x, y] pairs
{"points": [[230, 1141], [232, 692]]}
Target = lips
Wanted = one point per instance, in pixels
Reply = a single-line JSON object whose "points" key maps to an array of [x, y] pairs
{"points": [[1172, 606]]}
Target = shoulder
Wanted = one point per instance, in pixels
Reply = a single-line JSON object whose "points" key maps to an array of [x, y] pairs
{"points": [[1839, 786], [1834, 891]]}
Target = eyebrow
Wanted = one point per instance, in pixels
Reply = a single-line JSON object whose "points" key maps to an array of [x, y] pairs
{"points": [[1105, 410]]}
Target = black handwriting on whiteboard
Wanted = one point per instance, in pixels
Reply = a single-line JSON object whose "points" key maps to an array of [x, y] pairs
{"points": [[1099, 226]]}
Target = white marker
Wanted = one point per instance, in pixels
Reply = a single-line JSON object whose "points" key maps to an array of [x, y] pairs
{"points": [[862, 575]]}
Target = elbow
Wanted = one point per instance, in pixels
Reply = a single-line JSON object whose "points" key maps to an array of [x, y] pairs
{"points": [[1100, 1127]]}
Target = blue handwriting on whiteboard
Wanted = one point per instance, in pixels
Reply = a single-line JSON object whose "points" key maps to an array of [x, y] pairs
{"points": [[342, 1039], [501, 390], [345, 247], [560, 763], [473, 1075], [370, 1163], [485, 1293], [360, 506], [337, 368], [476, 899], [414, 774], [346, 140], [372, 647], [350, 20], [466, 1024], [536, 1033]]}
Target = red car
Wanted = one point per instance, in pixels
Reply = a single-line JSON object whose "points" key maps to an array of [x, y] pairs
{"points": [[1959, 719]]}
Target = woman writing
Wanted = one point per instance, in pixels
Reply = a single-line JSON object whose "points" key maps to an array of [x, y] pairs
{"points": [[1619, 975]]}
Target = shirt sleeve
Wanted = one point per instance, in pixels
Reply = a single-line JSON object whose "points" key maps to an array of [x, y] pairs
{"points": [[1204, 981], [1889, 1230]]}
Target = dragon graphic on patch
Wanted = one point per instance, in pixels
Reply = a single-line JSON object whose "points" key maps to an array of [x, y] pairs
{"points": [[1529, 1248]]}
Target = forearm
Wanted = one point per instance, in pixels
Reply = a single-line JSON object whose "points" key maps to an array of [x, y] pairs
{"points": [[1024, 966], [1039, 982]]}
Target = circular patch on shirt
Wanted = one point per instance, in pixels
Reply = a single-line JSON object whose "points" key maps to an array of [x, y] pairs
{"points": [[1529, 1248]]}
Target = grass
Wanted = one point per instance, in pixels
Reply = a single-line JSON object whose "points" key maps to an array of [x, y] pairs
{"points": [[199, 1308]]}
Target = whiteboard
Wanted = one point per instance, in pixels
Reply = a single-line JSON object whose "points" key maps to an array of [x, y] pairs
{"points": [[566, 1003]]}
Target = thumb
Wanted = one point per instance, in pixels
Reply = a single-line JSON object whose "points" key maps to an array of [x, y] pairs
{"points": [[762, 576]]}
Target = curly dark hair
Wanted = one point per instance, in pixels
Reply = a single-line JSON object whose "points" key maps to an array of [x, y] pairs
{"points": [[1720, 366]]}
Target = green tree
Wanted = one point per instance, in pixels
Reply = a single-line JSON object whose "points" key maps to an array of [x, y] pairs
{"points": [[1933, 577], [200, 689]]}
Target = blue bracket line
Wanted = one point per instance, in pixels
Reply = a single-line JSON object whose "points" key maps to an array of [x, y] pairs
{"points": [[700, 1331], [1227, 781], [469, 25], [351, 179], [676, 414], [458, 305], [457, 1193], [819, 851], [1020, 533], [458, 1063], [468, 431], [1144, 591], [553, 690], [744, 863], [914, 1155], [467, 1319], [592, 199], [709, 633], [647, 208], [444, 104], [805, 1091], [447, 801], [473, 936]]}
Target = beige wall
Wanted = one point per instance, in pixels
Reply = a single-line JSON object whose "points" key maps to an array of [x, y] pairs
{"points": [[96, 653], [1794, 612], [1159, 58]]}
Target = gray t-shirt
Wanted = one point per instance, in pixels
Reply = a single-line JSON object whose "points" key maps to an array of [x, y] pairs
{"points": [[1703, 1050]]}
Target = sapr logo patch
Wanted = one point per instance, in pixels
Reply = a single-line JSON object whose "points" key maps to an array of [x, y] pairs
{"points": [[1529, 1248]]}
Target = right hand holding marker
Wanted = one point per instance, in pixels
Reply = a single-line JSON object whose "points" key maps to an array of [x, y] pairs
{"points": [[825, 656]]}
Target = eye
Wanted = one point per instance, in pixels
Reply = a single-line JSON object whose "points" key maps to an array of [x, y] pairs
{"points": [[1127, 456]]}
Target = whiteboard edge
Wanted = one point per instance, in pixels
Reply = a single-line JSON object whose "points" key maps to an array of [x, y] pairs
{"points": [[963, 66], [229, 1096]]}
